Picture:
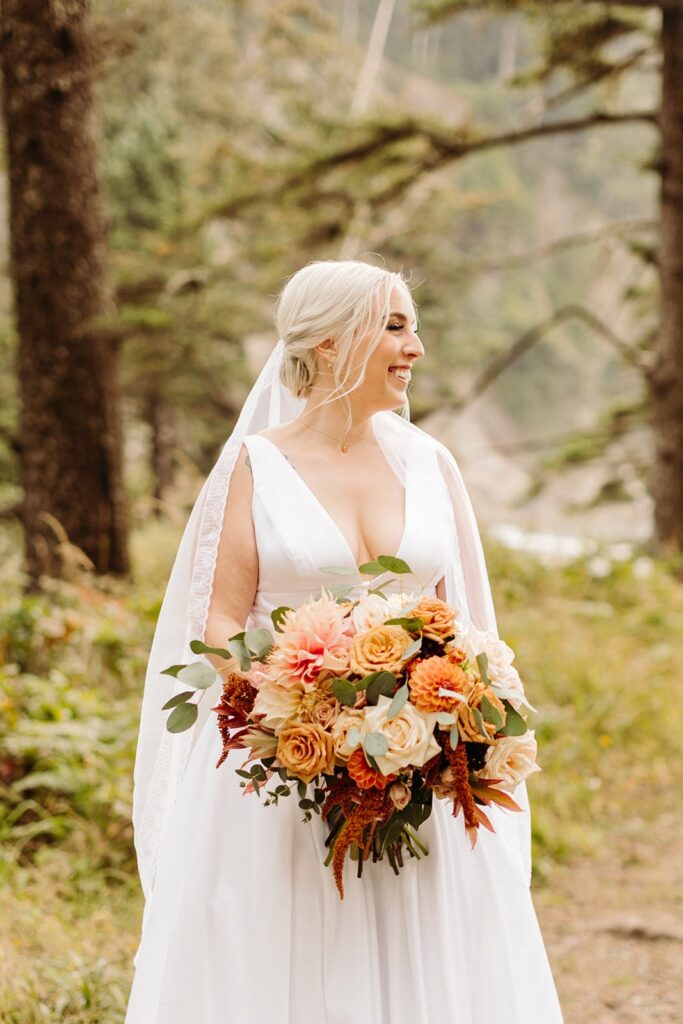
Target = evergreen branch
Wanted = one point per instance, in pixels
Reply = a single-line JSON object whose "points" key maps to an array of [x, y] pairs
{"points": [[443, 148], [435, 11], [598, 75]]}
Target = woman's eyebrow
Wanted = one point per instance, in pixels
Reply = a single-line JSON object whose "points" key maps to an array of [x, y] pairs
{"points": [[400, 316]]}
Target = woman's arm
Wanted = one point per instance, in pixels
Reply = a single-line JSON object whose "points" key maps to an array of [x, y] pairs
{"points": [[236, 577]]}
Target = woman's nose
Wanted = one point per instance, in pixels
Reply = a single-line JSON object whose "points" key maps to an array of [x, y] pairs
{"points": [[414, 347]]}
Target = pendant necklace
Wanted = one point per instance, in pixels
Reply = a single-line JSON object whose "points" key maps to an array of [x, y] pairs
{"points": [[343, 445]]}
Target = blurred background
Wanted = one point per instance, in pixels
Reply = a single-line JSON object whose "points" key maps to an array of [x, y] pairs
{"points": [[165, 167]]}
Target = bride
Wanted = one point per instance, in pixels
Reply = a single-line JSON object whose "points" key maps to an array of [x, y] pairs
{"points": [[322, 473]]}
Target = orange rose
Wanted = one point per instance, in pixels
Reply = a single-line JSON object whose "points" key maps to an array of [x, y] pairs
{"points": [[305, 749], [379, 650], [437, 616]]}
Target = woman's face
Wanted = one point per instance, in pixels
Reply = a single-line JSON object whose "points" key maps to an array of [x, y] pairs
{"points": [[388, 370]]}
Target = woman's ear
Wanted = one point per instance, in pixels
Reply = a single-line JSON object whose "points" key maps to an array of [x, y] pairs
{"points": [[327, 350]]}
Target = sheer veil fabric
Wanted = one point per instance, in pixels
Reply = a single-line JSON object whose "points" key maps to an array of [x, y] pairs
{"points": [[161, 757]]}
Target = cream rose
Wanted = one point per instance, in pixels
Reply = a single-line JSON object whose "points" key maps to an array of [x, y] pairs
{"points": [[345, 720], [512, 759], [500, 656], [410, 735], [305, 749], [373, 610]]}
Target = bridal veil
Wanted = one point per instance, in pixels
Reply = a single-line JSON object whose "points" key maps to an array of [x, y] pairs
{"points": [[161, 756]]}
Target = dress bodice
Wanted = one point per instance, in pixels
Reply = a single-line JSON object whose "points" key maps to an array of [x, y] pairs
{"points": [[298, 540]]}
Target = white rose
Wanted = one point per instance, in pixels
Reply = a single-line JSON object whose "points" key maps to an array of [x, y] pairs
{"points": [[500, 656], [511, 759], [410, 735], [373, 610]]}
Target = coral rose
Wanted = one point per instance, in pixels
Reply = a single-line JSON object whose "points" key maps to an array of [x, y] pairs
{"points": [[428, 676], [305, 749], [379, 650], [438, 617]]}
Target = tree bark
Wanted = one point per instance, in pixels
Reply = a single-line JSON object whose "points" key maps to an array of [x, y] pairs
{"points": [[666, 380], [70, 423], [161, 448]]}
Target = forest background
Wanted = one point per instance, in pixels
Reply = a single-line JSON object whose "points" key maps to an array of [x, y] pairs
{"points": [[165, 167]]}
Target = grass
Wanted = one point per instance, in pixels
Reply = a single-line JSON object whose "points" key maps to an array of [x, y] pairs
{"points": [[599, 647]]}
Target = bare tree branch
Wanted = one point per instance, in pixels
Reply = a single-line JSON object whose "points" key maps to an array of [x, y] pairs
{"points": [[587, 237], [521, 345]]}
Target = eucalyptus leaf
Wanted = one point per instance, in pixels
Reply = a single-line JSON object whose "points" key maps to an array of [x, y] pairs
{"points": [[198, 675], [514, 723], [393, 564], [454, 737], [340, 570], [445, 717], [199, 647], [239, 650], [412, 650], [398, 700], [277, 615], [491, 713], [483, 663], [479, 719], [182, 717], [411, 625], [259, 642], [172, 670], [344, 691], [353, 736], [370, 568], [443, 691], [382, 685], [375, 743], [179, 698]]}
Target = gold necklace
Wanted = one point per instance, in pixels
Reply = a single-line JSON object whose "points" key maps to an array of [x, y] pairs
{"points": [[343, 445]]}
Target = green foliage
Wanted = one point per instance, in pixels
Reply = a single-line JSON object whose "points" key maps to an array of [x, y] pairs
{"points": [[599, 653]]}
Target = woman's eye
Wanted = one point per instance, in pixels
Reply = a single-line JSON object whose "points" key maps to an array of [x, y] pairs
{"points": [[394, 327]]}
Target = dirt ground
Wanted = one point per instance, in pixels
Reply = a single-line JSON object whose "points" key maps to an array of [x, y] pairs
{"points": [[613, 928]]}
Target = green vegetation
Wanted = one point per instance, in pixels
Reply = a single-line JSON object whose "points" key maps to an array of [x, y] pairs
{"points": [[598, 647]]}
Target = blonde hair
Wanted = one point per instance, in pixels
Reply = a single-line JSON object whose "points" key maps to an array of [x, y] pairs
{"points": [[345, 300]]}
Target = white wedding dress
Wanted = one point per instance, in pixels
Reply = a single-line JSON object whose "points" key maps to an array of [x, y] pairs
{"points": [[245, 924]]}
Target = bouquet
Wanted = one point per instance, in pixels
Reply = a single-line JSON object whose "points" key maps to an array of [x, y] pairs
{"points": [[370, 708]]}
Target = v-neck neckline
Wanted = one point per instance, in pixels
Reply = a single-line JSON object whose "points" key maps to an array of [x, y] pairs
{"points": [[330, 518]]}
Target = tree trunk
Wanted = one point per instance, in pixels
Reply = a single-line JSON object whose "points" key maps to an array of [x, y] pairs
{"points": [[70, 424], [666, 482], [161, 448]]}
